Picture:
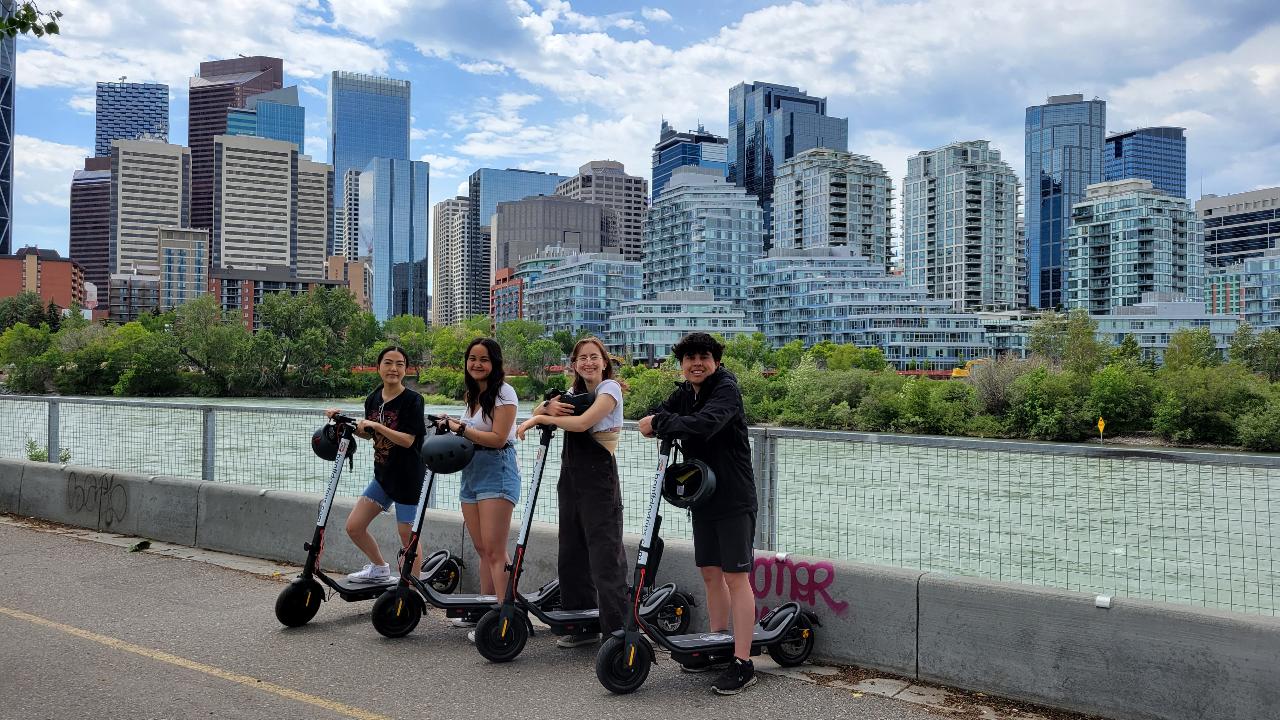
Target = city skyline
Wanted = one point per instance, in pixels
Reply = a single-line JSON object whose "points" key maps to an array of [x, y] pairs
{"points": [[503, 88]]}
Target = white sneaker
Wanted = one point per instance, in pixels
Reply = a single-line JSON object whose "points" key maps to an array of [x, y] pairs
{"points": [[463, 622], [371, 574], [471, 635]]}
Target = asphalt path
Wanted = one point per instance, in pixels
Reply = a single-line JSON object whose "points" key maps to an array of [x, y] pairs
{"points": [[89, 630]]}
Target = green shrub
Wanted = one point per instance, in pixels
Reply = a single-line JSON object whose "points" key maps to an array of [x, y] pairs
{"points": [[1048, 406], [984, 426], [1123, 394], [442, 381], [1260, 429], [1201, 404], [647, 389]]}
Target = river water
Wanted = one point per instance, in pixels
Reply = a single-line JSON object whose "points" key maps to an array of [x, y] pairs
{"points": [[1188, 532]]}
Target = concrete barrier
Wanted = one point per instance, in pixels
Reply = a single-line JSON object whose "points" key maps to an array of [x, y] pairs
{"points": [[1136, 660]]}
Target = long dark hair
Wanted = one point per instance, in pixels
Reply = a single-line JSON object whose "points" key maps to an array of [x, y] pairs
{"points": [[606, 372], [493, 385]]}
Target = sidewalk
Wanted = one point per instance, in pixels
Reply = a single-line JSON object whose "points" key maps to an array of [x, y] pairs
{"points": [[91, 630]]}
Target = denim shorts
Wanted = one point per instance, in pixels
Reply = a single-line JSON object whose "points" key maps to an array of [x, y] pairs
{"points": [[491, 474], [404, 513]]}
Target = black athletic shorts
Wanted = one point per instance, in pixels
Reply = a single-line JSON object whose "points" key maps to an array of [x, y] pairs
{"points": [[725, 543]]}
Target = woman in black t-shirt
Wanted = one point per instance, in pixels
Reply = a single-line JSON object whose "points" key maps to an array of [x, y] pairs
{"points": [[394, 420]]}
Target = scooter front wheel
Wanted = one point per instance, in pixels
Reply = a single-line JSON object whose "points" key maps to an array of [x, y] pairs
{"points": [[795, 645], [500, 640], [299, 602], [621, 669], [396, 612]]}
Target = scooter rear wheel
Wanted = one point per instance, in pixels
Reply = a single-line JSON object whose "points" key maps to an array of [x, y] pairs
{"points": [[501, 644], [622, 671], [795, 646], [299, 602], [396, 612]]}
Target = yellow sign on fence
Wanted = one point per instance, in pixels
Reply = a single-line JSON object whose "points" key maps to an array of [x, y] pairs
{"points": [[1101, 424]]}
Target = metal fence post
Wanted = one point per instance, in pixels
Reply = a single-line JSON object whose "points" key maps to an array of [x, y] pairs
{"points": [[208, 448], [52, 443], [762, 463], [771, 454]]}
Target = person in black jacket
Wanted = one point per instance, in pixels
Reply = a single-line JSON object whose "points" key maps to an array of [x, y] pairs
{"points": [[705, 413]]}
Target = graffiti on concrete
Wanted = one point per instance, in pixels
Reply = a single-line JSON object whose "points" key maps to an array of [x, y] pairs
{"points": [[778, 579], [100, 493]]}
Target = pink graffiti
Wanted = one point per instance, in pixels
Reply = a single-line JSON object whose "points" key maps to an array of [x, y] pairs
{"points": [[806, 582]]}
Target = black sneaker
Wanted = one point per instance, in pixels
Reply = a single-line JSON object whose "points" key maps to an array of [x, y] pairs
{"points": [[573, 641], [713, 663], [738, 676]]}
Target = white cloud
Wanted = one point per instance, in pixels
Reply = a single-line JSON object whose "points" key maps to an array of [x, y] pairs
{"points": [[83, 104], [417, 134], [482, 67], [318, 147], [42, 170], [313, 91], [655, 15], [443, 165]]}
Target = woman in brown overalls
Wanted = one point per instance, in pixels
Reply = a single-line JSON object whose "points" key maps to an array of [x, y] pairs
{"points": [[592, 564]]}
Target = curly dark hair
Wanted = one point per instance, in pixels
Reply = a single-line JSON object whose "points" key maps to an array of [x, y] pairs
{"points": [[488, 398], [698, 342]]}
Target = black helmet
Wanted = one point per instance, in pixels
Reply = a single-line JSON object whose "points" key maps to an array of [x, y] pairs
{"points": [[324, 442], [447, 453], [688, 484]]}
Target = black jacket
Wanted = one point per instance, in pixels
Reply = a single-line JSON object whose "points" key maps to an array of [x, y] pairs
{"points": [[712, 427]]}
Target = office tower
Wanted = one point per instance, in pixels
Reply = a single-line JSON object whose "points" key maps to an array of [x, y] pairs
{"points": [[486, 188], [1064, 143], [1129, 240], [254, 221], [523, 227], [1158, 154], [698, 148], [449, 235], [770, 124], [1240, 226], [606, 183], [130, 111], [183, 265], [221, 84], [8, 88], [348, 226], [314, 211], [830, 198], [368, 118], [150, 189], [702, 235], [960, 226], [393, 220], [90, 222], [275, 115]]}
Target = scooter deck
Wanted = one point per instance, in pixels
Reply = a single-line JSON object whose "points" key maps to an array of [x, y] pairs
{"points": [[572, 616], [361, 590], [713, 641]]}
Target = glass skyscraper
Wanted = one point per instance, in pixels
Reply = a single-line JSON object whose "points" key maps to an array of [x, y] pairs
{"points": [[368, 118], [677, 149], [7, 89], [394, 215], [1158, 154], [130, 111], [769, 124], [1064, 143], [274, 115]]}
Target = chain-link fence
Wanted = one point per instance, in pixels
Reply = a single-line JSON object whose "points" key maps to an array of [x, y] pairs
{"points": [[1180, 526]]}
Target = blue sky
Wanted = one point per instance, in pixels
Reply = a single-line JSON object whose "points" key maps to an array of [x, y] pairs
{"points": [[550, 85]]}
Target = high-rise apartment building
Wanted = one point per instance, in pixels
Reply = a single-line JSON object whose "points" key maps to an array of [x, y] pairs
{"points": [[8, 88], [698, 148], [580, 293], [150, 189], [1158, 154], [770, 124], [831, 198], [393, 220], [275, 115], [55, 279], [702, 235], [221, 84], [368, 118], [348, 217], [254, 220], [1249, 289], [130, 111], [1129, 240], [523, 227], [183, 265], [1064, 144], [1240, 226], [314, 212], [449, 306], [644, 331], [960, 226], [354, 274], [606, 183], [90, 223]]}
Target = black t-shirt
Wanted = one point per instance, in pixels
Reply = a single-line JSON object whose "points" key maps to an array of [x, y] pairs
{"points": [[398, 469]]}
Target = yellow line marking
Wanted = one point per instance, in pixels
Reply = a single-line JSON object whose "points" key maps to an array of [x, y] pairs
{"points": [[182, 662]]}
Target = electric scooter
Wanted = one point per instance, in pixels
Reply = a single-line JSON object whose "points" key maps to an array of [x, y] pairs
{"points": [[502, 633], [299, 602], [397, 611], [624, 660]]}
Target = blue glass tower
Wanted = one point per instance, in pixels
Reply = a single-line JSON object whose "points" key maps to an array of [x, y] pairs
{"points": [[274, 115], [368, 118], [677, 149], [8, 87], [129, 111], [1064, 143], [769, 124], [1158, 154], [394, 216]]}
